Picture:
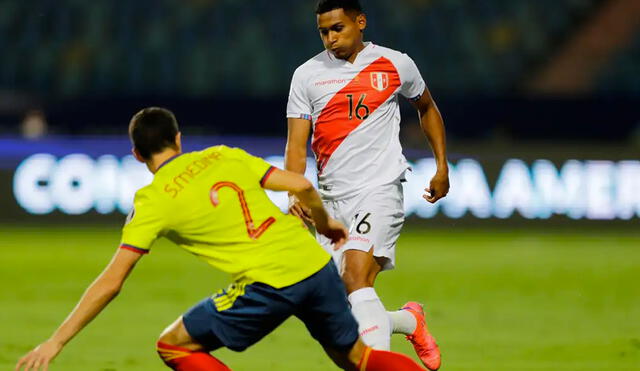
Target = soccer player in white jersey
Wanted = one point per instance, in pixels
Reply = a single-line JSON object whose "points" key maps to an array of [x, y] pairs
{"points": [[346, 97]]}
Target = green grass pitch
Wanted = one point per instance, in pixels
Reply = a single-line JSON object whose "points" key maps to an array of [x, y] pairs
{"points": [[496, 300]]}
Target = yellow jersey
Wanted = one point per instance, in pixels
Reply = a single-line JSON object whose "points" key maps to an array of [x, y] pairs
{"points": [[212, 204]]}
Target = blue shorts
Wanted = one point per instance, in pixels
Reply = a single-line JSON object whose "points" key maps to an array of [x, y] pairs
{"points": [[240, 316]]}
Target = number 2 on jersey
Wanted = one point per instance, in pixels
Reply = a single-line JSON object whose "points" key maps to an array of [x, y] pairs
{"points": [[360, 106], [254, 233]]}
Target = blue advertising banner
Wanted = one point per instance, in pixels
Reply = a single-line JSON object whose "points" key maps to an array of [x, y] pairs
{"points": [[76, 176]]}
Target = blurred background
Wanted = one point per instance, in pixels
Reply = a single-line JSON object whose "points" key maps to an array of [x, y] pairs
{"points": [[541, 101], [540, 98]]}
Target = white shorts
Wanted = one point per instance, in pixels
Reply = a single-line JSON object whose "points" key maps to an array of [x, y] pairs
{"points": [[374, 218]]}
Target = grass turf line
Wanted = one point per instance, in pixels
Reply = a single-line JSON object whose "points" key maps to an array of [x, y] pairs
{"points": [[496, 300]]}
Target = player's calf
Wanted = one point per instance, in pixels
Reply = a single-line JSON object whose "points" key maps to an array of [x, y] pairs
{"points": [[364, 358], [183, 359], [358, 274], [359, 269], [374, 325], [381, 360]]}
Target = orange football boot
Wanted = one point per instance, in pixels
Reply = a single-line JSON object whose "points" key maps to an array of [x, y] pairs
{"points": [[423, 342]]}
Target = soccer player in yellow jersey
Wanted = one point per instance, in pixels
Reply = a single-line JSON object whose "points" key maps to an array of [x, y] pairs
{"points": [[212, 203]]}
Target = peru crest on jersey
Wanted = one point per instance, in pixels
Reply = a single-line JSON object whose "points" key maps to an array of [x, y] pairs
{"points": [[380, 80]]}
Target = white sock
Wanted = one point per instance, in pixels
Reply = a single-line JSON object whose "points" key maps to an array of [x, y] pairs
{"points": [[403, 322], [374, 324]]}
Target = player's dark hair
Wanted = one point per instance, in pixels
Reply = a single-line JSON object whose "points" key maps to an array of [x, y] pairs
{"points": [[346, 5], [153, 130]]}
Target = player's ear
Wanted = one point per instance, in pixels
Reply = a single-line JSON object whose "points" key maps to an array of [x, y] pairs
{"points": [[178, 142], [137, 155], [361, 20]]}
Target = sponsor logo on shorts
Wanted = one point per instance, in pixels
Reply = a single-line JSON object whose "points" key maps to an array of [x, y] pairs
{"points": [[359, 238], [354, 238]]}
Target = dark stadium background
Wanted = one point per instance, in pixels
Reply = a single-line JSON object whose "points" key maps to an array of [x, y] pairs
{"points": [[539, 279]]}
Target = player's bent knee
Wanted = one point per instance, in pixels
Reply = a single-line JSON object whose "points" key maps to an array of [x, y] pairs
{"points": [[176, 335], [170, 334], [167, 338], [360, 264], [359, 275], [354, 280]]}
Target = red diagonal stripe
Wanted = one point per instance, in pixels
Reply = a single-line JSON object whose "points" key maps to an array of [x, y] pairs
{"points": [[333, 124]]}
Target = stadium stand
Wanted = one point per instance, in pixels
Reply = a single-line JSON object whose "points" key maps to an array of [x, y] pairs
{"points": [[75, 48], [622, 75]]}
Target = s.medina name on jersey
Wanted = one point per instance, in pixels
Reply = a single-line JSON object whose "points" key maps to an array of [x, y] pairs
{"points": [[192, 170], [355, 115], [212, 204]]}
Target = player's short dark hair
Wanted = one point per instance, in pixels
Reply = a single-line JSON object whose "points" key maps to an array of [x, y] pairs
{"points": [[346, 5], [153, 130]]}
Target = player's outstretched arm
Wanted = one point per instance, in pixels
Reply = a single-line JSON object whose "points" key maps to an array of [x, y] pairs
{"points": [[302, 189], [295, 159], [433, 127], [92, 302]]}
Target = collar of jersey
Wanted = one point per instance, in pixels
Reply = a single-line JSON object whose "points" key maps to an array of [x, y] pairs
{"points": [[367, 45], [167, 161]]}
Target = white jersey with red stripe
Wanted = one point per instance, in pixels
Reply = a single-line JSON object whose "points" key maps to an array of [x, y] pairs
{"points": [[355, 115]]}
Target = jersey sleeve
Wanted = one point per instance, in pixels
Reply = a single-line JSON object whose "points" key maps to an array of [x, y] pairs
{"points": [[412, 85], [258, 167], [299, 105], [144, 224]]}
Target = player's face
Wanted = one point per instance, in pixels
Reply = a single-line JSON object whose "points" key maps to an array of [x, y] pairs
{"points": [[341, 33]]}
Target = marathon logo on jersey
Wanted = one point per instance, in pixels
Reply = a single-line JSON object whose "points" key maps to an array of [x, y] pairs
{"points": [[332, 82], [380, 80]]}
